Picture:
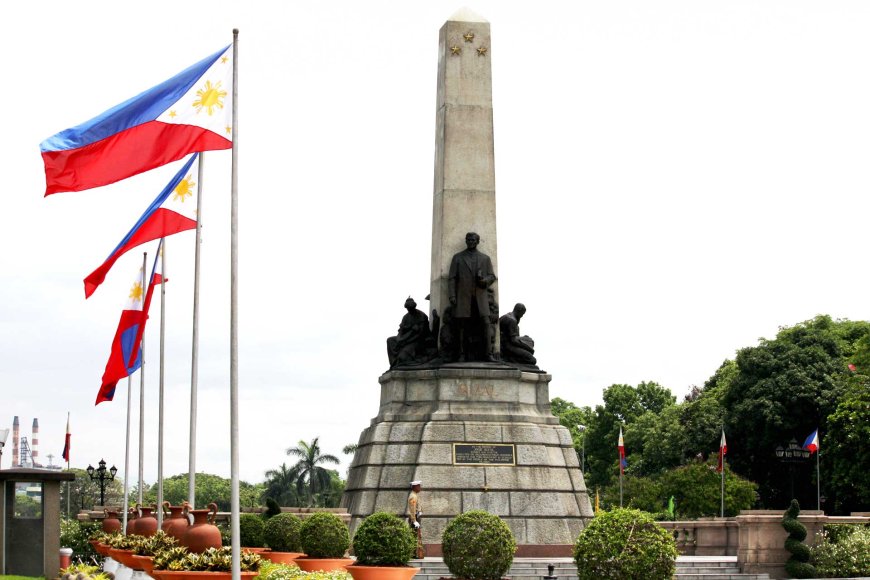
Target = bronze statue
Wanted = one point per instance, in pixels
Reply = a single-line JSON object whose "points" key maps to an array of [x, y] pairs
{"points": [[515, 348], [414, 344], [471, 276]]}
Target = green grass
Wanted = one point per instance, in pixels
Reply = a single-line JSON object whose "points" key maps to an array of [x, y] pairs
{"points": [[21, 577]]}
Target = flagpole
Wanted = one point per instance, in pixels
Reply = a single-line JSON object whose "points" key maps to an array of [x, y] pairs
{"points": [[620, 482], [67, 467], [142, 388], [818, 478], [160, 392], [194, 362], [127, 455], [234, 320], [722, 461]]}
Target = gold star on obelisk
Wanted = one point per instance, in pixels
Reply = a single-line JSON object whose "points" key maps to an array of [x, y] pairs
{"points": [[455, 50], [468, 36], [482, 51]]}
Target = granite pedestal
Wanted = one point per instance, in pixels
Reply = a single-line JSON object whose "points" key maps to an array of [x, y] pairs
{"points": [[540, 494]]}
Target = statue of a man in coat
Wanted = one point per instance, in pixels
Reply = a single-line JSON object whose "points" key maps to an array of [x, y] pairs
{"points": [[471, 275]]}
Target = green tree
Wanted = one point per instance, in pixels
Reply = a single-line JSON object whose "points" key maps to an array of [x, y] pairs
{"points": [[785, 388], [281, 486], [310, 476], [845, 455], [209, 488], [696, 488], [572, 417]]}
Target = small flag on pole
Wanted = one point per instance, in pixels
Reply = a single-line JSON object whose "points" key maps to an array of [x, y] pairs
{"points": [[65, 453], [812, 442], [172, 212], [597, 504], [189, 112], [621, 446], [125, 358], [723, 449]]}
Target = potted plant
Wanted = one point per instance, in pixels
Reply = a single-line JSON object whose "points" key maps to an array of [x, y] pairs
{"points": [[98, 541], [281, 534], [147, 548], [383, 545], [121, 547], [212, 564], [325, 539], [478, 545], [251, 532]]}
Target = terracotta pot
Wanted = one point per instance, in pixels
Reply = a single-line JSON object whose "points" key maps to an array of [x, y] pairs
{"points": [[281, 557], [122, 556], [146, 524], [144, 563], [111, 523], [202, 534], [382, 572], [101, 549], [169, 575], [132, 514], [322, 564], [176, 523]]}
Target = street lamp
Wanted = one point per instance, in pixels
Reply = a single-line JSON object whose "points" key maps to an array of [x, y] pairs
{"points": [[99, 474], [4, 433], [792, 455], [582, 429]]}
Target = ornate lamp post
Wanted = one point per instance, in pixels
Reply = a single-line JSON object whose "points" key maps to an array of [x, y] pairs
{"points": [[792, 455], [99, 474]]}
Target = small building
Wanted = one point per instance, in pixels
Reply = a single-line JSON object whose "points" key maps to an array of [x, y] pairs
{"points": [[30, 521]]}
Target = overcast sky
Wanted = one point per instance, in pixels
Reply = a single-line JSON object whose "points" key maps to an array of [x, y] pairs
{"points": [[675, 179]]}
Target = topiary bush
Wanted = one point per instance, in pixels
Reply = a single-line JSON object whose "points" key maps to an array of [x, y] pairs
{"points": [[281, 533], [383, 539], [625, 543], [478, 545], [324, 535], [797, 566], [251, 530]]}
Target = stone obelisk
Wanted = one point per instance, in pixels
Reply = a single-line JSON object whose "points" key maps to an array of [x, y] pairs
{"points": [[480, 435], [464, 197]]}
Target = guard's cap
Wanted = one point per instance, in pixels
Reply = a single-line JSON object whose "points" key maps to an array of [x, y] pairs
{"points": [[416, 482]]}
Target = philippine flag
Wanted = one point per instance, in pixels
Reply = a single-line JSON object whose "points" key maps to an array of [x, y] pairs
{"points": [[723, 450], [812, 442], [621, 447], [125, 357], [172, 212], [188, 113], [65, 453]]}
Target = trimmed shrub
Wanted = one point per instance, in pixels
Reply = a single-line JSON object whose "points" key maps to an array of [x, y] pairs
{"points": [[282, 533], [843, 555], [625, 543], [797, 566], [75, 535], [251, 530], [272, 509], [383, 539], [478, 545], [324, 535]]}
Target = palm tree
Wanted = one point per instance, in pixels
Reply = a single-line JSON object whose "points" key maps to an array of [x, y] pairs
{"points": [[281, 485], [308, 473]]}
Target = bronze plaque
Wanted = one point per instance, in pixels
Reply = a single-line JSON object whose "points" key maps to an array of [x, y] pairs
{"points": [[495, 454]]}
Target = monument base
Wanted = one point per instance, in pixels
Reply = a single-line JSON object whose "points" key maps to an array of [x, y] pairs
{"points": [[477, 438]]}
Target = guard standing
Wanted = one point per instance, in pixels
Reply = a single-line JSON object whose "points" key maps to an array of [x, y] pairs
{"points": [[415, 512]]}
